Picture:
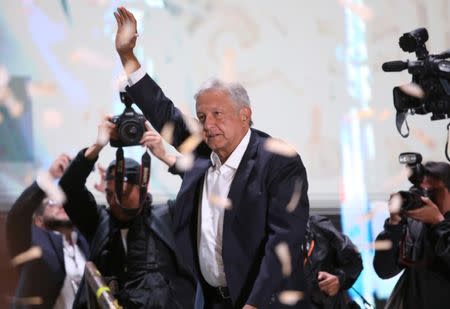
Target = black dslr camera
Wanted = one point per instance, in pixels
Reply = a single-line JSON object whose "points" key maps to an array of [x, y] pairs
{"points": [[130, 125], [411, 198], [430, 72]]}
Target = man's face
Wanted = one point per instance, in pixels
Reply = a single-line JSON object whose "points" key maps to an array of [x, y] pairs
{"points": [[438, 191], [130, 198], [224, 124]]}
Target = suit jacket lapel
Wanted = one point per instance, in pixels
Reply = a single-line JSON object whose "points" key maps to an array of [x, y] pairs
{"points": [[241, 177], [57, 243]]}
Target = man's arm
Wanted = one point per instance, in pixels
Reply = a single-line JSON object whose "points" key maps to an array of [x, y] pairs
{"points": [[348, 259], [20, 218], [386, 262], [440, 239], [81, 205], [285, 177]]}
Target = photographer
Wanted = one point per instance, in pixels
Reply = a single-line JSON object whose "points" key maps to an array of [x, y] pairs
{"points": [[420, 245], [35, 220], [131, 242], [332, 263]]}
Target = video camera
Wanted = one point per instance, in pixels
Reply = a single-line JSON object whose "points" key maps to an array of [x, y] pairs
{"points": [[130, 125], [430, 72], [411, 199]]}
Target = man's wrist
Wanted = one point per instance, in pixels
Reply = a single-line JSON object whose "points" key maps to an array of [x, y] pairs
{"points": [[92, 152], [438, 219], [129, 62]]}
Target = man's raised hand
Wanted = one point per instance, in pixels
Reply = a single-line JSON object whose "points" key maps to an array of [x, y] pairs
{"points": [[126, 31]]}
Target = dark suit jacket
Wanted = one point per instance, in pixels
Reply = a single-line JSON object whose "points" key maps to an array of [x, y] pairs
{"points": [[42, 277], [258, 220], [96, 223]]}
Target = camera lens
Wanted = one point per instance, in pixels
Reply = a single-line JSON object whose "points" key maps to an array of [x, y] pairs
{"points": [[130, 132]]}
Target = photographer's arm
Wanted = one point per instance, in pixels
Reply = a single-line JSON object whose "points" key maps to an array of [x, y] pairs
{"points": [[386, 262], [81, 205], [440, 238], [20, 218]]}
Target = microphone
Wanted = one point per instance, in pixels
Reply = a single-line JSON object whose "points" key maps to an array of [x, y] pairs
{"points": [[394, 66]]}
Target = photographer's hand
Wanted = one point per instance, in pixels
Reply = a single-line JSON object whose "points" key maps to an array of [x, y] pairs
{"points": [[58, 166], [328, 283], [394, 205], [429, 213], [154, 142], [106, 131], [126, 39]]}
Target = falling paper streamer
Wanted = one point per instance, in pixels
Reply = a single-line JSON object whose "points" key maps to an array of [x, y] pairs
{"points": [[191, 123], [185, 162], [167, 132], [47, 184], [220, 201], [25, 301], [296, 195], [280, 147], [41, 88], [33, 253], [282, 251], [414, 90], [382, 245], [190, 144], [52, 119], [290, 297], [395, 203], [4, 77], [90, 58]]}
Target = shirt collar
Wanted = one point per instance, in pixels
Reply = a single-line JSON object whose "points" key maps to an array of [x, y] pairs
{"points": [[236, 156]]}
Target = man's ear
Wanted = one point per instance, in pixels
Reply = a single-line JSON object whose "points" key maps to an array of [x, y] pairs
{"points": [[245, 114]]}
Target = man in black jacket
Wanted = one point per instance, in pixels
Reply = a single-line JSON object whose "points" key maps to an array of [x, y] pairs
{"points": [[332, 263], [53, 277], [232, 250], [420, 246], [131, 242]]}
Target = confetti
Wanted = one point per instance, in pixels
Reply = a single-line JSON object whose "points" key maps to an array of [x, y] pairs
{"points": [[53, 191], [220, 201], [382, 245], [41, 88], [296, 195], [4, 77], [52, 119], [32, 300], [414, 90], [90, 58], [395, 203], [282, 251], [290, 297], [280, 147], [185, 162], [190, 144], [167, 132], [33, 253]]}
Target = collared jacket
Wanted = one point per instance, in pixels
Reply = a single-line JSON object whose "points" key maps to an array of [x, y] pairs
{"points": [[327, 249], [42, 277], [422, 252], [150, 274]]}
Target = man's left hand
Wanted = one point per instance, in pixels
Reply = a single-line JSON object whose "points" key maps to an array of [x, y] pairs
{"points": [[328, 283], [429, 213]]}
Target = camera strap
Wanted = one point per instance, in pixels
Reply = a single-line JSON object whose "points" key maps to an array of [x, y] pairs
{"points": [[400, 118], [144, 179], [446, 143]]}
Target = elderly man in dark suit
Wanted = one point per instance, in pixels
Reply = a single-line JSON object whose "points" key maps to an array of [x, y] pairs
{"points": [[232, 251], [53, 277]]}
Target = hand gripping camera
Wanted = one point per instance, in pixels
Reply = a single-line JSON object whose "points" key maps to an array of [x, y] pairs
{"points": [[130, 125], [411, 199]]}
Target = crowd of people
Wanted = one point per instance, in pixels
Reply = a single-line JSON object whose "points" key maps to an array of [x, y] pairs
{"points": [[228, 240]]}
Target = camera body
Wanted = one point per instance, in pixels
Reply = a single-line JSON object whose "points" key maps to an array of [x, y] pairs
{"points": [[411, 199], [430, 72], [130, 125]]}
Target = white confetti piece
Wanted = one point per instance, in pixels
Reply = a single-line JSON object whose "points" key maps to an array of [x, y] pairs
{"points": [[395, 203], [414, 90], [220, 201], [280, 147], [290, 297], [185, 162], [33, 253], [167, 132], [296, 195], [382, 245], [190, 144], [282, 251], [24, 301]]}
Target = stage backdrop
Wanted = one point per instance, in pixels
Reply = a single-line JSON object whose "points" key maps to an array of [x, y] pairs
{"points": [[312, 70]]}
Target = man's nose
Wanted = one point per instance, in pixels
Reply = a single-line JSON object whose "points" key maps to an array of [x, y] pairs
{"points": [[209, 122]]}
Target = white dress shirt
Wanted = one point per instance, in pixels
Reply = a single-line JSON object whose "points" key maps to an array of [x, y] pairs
{"points": [[216, 187], [74, 261]]}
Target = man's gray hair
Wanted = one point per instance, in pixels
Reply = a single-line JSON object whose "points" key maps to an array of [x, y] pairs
{"points": [[235, 90]]}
